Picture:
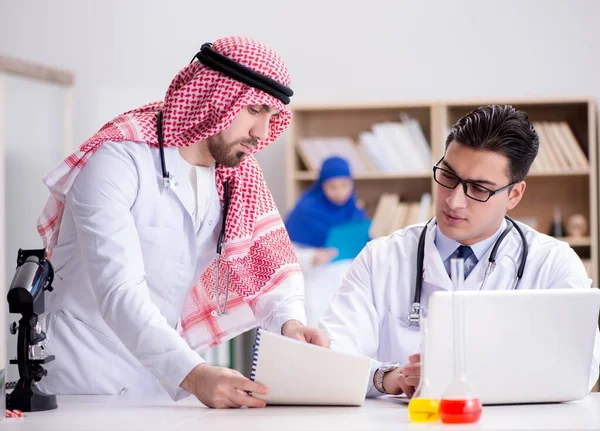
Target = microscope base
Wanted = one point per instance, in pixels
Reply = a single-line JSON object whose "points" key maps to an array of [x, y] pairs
{"points": [[30, 399]]}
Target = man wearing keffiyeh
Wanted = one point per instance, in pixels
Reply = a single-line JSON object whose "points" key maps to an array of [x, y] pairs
{"points": [[133, 237]]}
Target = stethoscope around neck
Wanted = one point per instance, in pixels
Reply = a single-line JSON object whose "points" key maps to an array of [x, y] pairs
{"points": [[414, 314], [168, 181], [241, 73]]}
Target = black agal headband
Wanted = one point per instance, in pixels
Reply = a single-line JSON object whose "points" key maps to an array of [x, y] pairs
{"points": [[239, 72]]}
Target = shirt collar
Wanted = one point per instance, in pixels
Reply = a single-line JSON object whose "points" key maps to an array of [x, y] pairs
{"points": [[446, 246]]}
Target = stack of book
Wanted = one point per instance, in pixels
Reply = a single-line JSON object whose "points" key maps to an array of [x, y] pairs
{"points": [[392, 214], [559, 150], [392, 147], [314, 151]]}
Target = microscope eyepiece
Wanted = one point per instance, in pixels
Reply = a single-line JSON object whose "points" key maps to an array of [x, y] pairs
{"points": [[26, 292]]}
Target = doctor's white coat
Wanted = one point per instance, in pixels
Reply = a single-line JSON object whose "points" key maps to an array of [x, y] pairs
{"points": [[127, 256], [367, 316]]}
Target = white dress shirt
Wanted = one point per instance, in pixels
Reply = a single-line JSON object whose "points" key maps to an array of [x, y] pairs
{"points": [[202, 180]]}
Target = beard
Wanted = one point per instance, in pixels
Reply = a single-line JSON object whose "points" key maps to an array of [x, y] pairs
{"points": [[224, 153]]}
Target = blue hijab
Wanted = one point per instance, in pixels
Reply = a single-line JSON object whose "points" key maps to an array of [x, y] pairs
{"points": [[315, 214]]}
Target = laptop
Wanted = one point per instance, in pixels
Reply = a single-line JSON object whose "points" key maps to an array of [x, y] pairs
{"points": [[521, 346]]}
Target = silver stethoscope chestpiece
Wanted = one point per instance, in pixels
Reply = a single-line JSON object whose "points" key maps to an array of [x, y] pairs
{"points": [[414, 315], [170, 182]]}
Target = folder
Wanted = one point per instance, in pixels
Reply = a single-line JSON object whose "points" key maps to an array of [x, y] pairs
{"points": [[349, 238]]}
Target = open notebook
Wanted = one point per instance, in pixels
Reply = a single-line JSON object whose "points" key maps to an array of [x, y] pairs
{"points": [[298, 373]]}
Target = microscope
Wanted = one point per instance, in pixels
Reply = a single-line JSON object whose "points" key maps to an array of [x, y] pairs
{"points": [[34, 275]]}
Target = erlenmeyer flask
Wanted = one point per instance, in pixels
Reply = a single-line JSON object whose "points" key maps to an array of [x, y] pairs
{"points": [[423, 407], [458, 404]]}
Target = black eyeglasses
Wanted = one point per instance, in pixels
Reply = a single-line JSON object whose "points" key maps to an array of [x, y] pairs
{"points": [[473, 190]]}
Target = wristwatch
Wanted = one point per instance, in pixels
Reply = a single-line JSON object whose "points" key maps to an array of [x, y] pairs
{"points": [[384, 368]]}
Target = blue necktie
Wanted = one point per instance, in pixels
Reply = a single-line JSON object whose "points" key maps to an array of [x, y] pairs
{"points": [[464, 252]]}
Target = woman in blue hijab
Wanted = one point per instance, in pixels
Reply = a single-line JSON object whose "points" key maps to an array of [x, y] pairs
{"points": [[329, 202]]}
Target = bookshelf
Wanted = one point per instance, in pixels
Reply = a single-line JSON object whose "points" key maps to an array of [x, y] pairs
{"points": [[564, 175]]}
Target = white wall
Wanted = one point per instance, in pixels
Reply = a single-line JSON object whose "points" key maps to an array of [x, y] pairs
{"points": [[32, 135], [124, 53]]}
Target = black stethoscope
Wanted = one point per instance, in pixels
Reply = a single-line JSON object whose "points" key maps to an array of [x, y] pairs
{"points": [[167, 182], [216, 61], [414, 314]]}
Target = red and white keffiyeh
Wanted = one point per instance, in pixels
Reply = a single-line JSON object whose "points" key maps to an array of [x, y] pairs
{"points": [[200, 103]]}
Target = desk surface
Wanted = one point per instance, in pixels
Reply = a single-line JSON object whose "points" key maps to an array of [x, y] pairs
{"points": [[87, 413]]}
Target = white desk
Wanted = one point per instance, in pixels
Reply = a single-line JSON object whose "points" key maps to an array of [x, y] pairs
{"points": [[87, 413]]}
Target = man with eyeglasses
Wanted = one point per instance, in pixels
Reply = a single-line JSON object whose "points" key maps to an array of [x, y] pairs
{"points": [[478, 180]]}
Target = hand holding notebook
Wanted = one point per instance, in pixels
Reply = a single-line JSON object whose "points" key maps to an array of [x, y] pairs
{"points": [[298, 373]]}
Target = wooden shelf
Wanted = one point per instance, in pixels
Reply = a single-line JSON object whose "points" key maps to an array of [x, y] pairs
{"points": [[572, 173], [312, 176], [36, 71], [361, 106], [543, 101], [375, 175]]}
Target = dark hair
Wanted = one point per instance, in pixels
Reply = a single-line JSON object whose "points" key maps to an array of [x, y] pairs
{"points": [[501, 129]]}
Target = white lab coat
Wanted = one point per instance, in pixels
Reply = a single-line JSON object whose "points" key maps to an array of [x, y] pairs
{"points": [[126, 258], [367, 315]]}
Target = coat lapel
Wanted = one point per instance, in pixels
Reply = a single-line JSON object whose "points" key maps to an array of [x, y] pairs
{"points": [[180, 183], [433, 267]]}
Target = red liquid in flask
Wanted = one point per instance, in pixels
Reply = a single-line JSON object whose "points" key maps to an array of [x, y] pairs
{"points": [[465, 411], [458, 405]]}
